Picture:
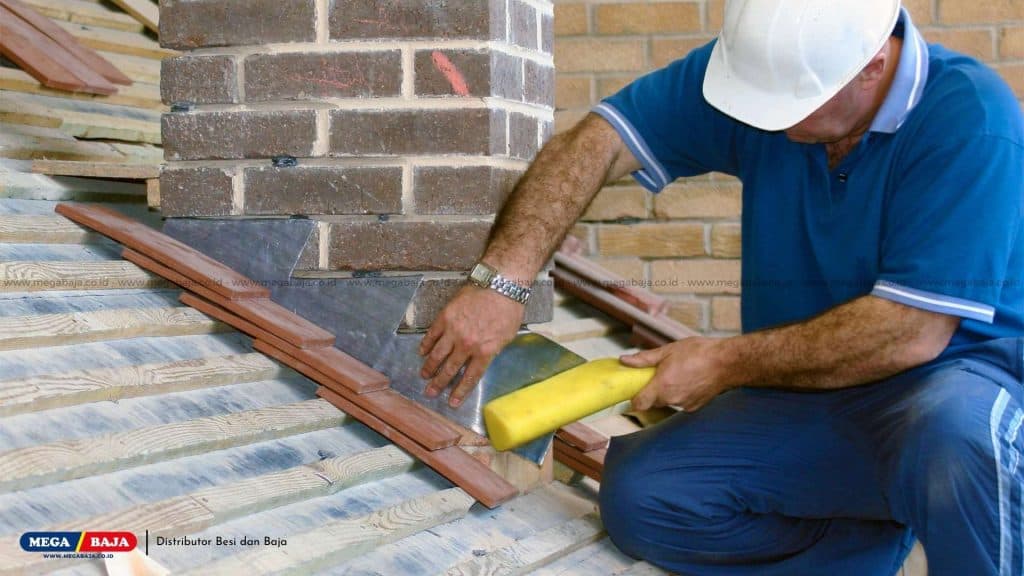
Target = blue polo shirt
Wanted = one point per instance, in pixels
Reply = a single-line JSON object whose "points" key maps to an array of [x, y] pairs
{"points": [[925, 211]]}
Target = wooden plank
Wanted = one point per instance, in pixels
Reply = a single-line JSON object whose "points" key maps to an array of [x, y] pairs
{"points": [[48, 391], [285, 324], [581, 436], [101, 127], [336, 364], [183, 513], [41, 187], [589, 463], [90, 107], [601, 557], [29, 276], [614, 425], [41, 143], [608, 280], [26, 115], [427, 428], [531, 553], [97, 169], [576, 329], [218, 504], [142, 95], [36, 54], [139, 68], [147, 13], [577, 467], [407, 417], [116, 41], [207, 507], [57, 49], [25, 147], [330, 363], [81, 118], [139, 153], [43, 229], [165, 250], [31, 131], [345, 539], [260, 317], [453, 463], [153, 193], [274, 490], [615, 307], [84, 12], [644, 337], [62, 37], [43, 464], [63, 329], [572, 459]]}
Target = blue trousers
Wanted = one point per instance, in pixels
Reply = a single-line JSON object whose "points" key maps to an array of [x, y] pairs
{"points": [[768, 482]]}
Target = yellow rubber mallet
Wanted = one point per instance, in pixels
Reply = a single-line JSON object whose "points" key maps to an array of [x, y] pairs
{"points": [[529, 413]]}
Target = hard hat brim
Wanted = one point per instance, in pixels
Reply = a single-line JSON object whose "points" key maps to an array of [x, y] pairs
{"points": [[753, 105]]}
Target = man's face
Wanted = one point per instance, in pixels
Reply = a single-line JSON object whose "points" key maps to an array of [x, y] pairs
{"points": [[835, 120]]}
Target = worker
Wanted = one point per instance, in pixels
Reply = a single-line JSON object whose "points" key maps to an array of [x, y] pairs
{"points": [[875, 395]]}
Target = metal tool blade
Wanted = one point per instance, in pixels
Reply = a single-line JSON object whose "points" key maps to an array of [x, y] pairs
{"points": [[528, 359]]}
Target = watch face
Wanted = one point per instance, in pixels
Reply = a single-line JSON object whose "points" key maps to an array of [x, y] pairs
{"points": [[481, 275]]}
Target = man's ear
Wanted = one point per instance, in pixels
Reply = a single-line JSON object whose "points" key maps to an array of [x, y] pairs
{"points": [[874, 72]]}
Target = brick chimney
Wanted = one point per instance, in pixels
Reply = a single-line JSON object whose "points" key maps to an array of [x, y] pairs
{"points": [[399, 126]]}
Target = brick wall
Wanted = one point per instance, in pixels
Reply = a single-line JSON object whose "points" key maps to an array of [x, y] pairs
{"points": [[408, 120], [689, 234]]}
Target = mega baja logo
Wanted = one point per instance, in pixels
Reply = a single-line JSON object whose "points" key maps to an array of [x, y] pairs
{"points": [[91, 541]]}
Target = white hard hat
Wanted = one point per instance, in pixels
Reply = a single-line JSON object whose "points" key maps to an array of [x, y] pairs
{"points": [[777, 61]]}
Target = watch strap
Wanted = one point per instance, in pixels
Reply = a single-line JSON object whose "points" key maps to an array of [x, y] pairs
{"points": [[510, 289]]}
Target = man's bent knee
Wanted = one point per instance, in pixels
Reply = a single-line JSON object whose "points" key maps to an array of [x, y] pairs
{"points": [[622, 493], [648, 506]]}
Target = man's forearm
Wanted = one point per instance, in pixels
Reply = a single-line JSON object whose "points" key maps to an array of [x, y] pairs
{"points": [[550, 197], [862, 341]]}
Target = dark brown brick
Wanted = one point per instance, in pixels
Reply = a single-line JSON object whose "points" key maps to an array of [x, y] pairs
{"points": [[539, 83], [195, 192], [310, 257], [461, 190], [547, 130], [398, 245], [523, 136], [499, 132], [484, 73], [507, 75], [323, 190], [472, 67], [186, 24], [523, 24], [230, 135], [547, 33], [434, 294], [480, 19], [302, 75], [198, 79], [395, 132]]}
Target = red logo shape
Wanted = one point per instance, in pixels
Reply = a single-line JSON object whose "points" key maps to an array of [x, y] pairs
{"points": [[108, 542]]}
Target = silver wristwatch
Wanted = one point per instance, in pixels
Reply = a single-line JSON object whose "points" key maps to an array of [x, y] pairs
{"points": [[486, 277]]}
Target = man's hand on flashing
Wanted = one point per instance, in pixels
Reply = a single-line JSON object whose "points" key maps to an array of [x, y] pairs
{"points": [[689, 374], [469, 332]]}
